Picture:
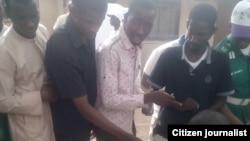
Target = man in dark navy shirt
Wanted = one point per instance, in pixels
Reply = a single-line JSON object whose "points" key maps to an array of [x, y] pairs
{"points": [[195, 74], [70, 63]]}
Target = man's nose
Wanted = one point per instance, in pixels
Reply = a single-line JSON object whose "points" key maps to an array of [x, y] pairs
{"points": [[29, 23], [140, 30], [194, 38]]}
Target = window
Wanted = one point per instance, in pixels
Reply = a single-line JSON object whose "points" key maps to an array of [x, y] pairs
{"points": [[166, 26]]}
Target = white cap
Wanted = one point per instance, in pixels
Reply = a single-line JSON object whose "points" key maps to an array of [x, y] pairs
{"points": [[240, 19]]}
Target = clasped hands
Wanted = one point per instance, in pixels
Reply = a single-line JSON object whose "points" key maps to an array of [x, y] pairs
{"points": [[164, 99]]}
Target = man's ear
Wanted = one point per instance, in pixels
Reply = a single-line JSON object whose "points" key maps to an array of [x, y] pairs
{"points": [[73, 12]]}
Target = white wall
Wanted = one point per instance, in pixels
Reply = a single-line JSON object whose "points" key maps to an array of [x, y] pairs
{"points": [[147, 48], [50, 10]]}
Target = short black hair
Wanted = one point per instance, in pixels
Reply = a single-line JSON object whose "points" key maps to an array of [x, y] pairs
{"points": [[144, 4], [7, 4], [101, 5], [204, 12]]}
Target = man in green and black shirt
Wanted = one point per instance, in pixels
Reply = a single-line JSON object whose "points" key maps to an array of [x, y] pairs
{"points": [[236, 46]]}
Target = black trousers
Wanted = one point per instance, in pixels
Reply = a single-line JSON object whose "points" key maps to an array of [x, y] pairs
{"points": [[79, 137]]}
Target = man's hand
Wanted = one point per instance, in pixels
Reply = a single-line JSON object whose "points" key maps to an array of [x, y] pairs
{"points": [[48, 93], [147, 109], [162, 99], [130, 137], [189, 104]]}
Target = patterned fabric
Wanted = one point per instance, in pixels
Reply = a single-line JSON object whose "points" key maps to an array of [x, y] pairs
{"points": [[118, 63]]}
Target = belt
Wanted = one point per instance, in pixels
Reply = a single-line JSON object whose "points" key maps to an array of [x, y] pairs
{"points": [[238, 101]]}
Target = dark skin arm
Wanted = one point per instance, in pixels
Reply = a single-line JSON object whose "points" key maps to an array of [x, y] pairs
{"points": [[221, 106], [146, 110], [191, 104], [218, 105], [160, 98], [230, 116], [144, 84], [94, 116], [48, 92], [188, 105]]}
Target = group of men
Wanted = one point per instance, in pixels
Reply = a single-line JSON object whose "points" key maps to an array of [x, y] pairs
{"points": [[61, 87], [191, 70]]}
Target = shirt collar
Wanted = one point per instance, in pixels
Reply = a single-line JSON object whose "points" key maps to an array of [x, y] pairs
{"points": [[208, 57], [18, 36], [182, 40], [126, 42]]}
